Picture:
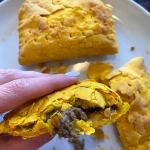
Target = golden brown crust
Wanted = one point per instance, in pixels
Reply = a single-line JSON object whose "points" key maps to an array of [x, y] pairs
{"points": [[132, 82], [42, 116], [51, 30]]}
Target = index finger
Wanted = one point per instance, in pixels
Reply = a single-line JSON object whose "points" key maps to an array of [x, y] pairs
{"points": [[17, 92], [7, 75]]}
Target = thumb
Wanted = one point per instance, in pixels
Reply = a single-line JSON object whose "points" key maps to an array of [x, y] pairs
{"points": [[8, 142]]}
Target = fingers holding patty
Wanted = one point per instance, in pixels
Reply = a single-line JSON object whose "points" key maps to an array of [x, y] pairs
{"points": [[7, 75], [15, 143], [17, 92]]}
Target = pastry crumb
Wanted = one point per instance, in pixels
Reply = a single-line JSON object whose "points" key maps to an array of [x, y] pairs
{"points": [[57, 68], [41, 66], [107, 136], [147, 51], [61, 63], [60, 68], [98, 70], [132, 48], [98, 134], [47, 70], [64, 69]]}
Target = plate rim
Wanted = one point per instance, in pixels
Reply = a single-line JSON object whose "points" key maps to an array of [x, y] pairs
{"points": [[137, 6], [144, 10], [132, 2]]}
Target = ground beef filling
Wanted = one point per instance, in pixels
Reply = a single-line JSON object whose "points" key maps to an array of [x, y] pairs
{"points": [[66, 126], [77, 144]]}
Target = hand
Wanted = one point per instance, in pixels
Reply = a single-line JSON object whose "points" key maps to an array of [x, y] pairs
{"points": [[18, 87]]}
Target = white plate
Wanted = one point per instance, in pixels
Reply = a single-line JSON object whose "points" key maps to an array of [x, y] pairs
{"points": [[132, 26]]}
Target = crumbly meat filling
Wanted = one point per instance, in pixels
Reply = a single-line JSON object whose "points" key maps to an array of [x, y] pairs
{"points": [[77, 144], [66, 126]]}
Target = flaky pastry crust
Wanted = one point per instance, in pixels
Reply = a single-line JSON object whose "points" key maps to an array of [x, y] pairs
{"points": [[132, 83], [53, 30], [100, 104]]}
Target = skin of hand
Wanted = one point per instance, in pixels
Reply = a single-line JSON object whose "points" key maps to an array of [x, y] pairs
{"points": [[18, 87]]}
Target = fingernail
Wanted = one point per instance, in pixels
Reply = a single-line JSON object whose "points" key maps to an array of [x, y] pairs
{"points": [[73, 74]]}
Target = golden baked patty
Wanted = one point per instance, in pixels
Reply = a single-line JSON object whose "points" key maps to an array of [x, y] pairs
{"points": [[78, 109], [52, 30], [132, 83]]}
